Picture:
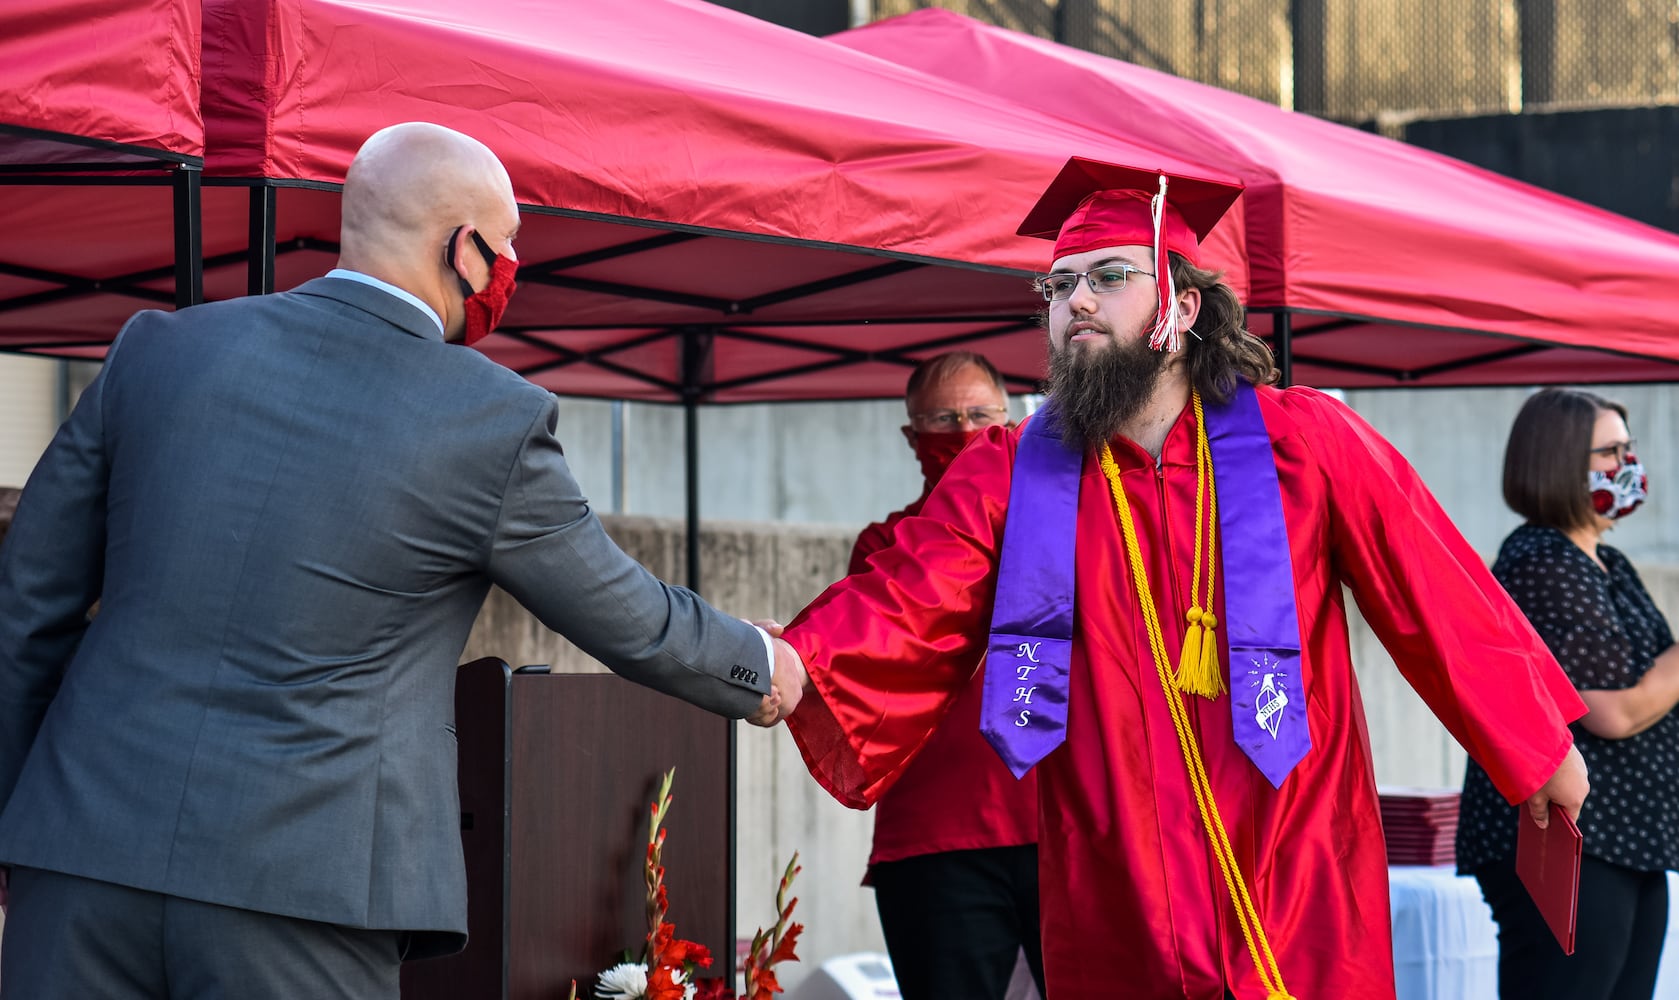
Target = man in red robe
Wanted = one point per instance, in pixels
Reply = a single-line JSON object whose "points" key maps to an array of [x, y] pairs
{"points": [[955, 858], [1176, 861]]}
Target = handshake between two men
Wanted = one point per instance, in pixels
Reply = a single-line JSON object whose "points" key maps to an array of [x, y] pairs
{"points": [[787, 683]]}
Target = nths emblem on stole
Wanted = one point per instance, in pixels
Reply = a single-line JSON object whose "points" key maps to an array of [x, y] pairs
{"points": [[1268, 705]]}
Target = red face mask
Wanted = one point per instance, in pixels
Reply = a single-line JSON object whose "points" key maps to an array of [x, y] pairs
{"points": [[484, 309], [935, 451]]}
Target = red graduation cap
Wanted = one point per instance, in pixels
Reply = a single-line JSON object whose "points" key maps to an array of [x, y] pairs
{"points": [[1092, 204]]}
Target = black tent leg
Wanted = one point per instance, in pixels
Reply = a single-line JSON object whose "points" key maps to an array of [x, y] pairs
{"points": [[692, 348], [259, 275], [696, 351], [189, 236]]}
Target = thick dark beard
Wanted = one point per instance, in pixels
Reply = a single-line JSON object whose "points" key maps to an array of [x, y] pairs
{"points": [[1097, 393]]}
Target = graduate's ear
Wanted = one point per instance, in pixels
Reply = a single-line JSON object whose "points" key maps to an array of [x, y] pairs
{"points": [[1189, 308], [909, 435]]}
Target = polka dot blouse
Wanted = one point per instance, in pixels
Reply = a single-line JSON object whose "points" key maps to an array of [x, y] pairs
{"points": [[1605, 631]]}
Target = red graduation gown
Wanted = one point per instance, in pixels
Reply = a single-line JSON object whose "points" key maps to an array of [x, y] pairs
{"points": [[957, 795], [1133, 902]]}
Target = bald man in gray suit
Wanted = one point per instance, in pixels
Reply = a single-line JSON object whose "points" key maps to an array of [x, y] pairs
{"points": [[238, 780]]}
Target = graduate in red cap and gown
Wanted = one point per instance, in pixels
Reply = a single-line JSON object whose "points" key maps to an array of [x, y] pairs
{"points": [[1159, 555]]}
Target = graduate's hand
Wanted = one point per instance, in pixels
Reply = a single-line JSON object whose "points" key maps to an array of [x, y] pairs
{"points": [[788, 682], [1567, 788], [791, 679]]}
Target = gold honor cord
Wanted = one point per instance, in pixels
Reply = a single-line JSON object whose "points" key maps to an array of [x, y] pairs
{"points": [[1259, 948], [1198, 667]]}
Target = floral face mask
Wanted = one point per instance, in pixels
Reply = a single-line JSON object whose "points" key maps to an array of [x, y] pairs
{"points": [[1617, 494]]}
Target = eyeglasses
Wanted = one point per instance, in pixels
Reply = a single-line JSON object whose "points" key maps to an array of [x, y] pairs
{"points": [[1104, 280], [945, 421], [1619, 451]]}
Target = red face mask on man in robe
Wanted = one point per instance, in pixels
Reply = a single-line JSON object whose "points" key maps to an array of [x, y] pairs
{"points": [[484, 308], [936, 450]]}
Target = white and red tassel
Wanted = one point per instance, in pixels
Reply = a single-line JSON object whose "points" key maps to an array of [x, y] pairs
{"points": [[1166, 336]]}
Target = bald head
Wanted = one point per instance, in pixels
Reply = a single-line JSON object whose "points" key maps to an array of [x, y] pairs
{"points": [[411, 186]]}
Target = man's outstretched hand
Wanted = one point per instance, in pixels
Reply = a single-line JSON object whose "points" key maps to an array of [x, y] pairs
{"points": [[787, 686], [1567, 788]]}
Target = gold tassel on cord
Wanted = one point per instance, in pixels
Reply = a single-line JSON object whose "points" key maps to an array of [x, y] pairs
{"points": [[1190, 660], [1198, 671]]}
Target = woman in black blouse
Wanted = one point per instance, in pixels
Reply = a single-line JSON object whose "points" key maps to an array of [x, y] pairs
{"points": [[1569, 470]]}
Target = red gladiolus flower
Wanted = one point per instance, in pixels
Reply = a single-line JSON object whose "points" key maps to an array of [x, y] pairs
{"points": [[681, 953], [662, 984], [775, 945], [784, 951]]}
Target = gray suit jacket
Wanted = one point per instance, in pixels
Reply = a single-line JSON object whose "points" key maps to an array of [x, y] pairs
{"points": [[290, 509]]}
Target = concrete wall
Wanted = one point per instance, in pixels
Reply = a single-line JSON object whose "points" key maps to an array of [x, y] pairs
{"points": [[1455, 438], [28, 413], [831, 463]]}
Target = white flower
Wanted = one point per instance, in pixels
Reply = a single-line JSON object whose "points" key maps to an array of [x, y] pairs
{"points": [[627, 981]]}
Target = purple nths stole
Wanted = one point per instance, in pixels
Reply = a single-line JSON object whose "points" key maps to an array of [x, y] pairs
{"points": [[1024, 708], [1024, 713], [1267, 701]]}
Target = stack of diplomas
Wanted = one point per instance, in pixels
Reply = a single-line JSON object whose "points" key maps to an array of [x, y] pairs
{"points": [[1420, 824]]}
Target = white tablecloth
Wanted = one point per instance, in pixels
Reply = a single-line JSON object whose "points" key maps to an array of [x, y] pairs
{"points": [[1445, 944]]}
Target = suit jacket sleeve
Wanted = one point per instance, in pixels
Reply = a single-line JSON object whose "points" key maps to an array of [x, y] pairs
{"points": [[51, 571], [550, 552], [1456, 636]]}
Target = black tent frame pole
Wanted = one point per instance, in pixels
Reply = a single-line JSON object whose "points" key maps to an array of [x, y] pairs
{"points": [[188, 184], [259, 275], [695, 347], [1284, 328], [696, 354]]}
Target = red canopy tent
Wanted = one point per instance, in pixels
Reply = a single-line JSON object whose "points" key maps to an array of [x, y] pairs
{"points": [[100, 121], [1374, 263], [718, 209]]}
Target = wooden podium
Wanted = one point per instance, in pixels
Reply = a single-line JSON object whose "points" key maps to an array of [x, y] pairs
{"points": [[557, 775]]}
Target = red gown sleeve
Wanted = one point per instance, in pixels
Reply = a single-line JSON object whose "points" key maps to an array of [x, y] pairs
{"points": [[1456, 636], [890, 647]]}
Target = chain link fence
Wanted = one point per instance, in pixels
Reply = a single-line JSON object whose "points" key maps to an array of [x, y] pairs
{"points": [[1358, 60]]}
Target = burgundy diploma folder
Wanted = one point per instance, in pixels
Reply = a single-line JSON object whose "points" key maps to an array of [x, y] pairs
{"points": [[1548, 863]]}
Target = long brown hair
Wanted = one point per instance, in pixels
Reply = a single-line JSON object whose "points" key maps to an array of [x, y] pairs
{"points": [[1221, 349]]}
